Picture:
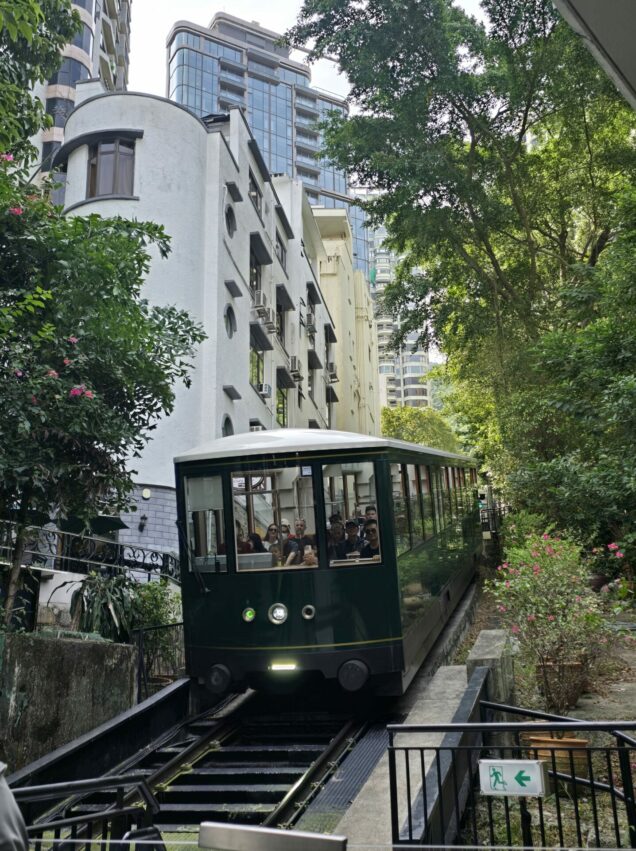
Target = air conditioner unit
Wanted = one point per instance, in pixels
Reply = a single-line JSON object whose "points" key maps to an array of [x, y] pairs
{"points": [[310, 323], [264, 390], [259, 427], [269, 319], [295, 368], [260, 302], [332, 372]]}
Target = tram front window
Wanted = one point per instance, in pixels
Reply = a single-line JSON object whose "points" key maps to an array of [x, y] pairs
{"points": [[204, 510], [351, 536], [274, 519]]}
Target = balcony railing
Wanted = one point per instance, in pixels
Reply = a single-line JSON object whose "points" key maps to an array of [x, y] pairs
{"points": [[53, 550]]}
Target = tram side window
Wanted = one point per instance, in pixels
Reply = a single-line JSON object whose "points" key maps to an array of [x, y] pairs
{"points": [[441, 510], [399, 494], [274, 518], [427, 501], [350, 512], [205, 532], [415, 504]]}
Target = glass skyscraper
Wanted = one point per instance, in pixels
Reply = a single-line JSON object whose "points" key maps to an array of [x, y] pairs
{"points": [[235, 62]]}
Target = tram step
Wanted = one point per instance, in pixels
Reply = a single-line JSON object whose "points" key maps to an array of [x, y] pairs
{"points": [[196, 813], [254, 753], [245, 774], [234, 793]]}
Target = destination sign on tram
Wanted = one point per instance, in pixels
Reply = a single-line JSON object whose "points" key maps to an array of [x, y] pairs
{"points": [[513, 777]]}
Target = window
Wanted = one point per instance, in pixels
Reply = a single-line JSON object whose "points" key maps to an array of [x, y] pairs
{"points": [[111, 168], [257, 367], [350, 515], [274, 518], [399, 488], [311, 382], [255, 273], [415, 506], [282, 412], [280, 323], [427, 501], [229, 318], [281, 251], [84, 40], [255, 194], [70, 73], [205, 524], [227, 428], [59, 109], [230, 221]]}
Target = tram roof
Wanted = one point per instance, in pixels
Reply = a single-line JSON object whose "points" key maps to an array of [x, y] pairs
{"points": [[286, 440]]}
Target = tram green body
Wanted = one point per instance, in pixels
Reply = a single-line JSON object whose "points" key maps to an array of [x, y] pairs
{"points": [[384, 615]]}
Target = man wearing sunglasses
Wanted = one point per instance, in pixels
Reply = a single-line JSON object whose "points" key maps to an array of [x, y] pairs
{"points": [[372, 547]]}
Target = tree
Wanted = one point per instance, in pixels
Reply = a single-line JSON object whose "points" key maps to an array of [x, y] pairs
{"points": [[32, 33], [502, 153], [87, 365], [419, 425]]}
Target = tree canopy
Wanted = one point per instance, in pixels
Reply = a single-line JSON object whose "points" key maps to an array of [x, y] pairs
{"points": [[419, 425], [32, 32], [503, 155]]}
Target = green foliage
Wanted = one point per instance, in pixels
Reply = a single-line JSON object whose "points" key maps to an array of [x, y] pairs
{"points": [[543, 596], [87, 365], [419, 425], [515, 528], [506, 162], [157, 605], [106, 605], [32, 32]]}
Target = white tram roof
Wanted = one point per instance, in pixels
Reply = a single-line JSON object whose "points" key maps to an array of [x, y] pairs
{"points": [[286, 440]]}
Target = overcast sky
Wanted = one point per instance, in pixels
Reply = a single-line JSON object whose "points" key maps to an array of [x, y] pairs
{"points": [[151, 21]]}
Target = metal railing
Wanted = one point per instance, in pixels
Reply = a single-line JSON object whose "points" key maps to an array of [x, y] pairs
{"points": [[161, 655], [75, 810], [54, 550], [589, 798]]}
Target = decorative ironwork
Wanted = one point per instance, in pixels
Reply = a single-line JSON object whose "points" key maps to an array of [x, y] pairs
{"points": [[53, 550]]}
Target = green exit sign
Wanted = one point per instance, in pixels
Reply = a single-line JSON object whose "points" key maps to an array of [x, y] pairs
{"points": [[513, 777]]}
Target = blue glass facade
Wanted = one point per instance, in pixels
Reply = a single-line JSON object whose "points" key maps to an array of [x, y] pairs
{"points": [[208, 75]]}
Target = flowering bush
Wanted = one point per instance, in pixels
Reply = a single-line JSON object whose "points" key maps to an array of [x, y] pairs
{"points": [[543, 596]]}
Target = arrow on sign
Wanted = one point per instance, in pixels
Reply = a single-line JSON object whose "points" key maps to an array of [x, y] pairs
{"points": [[522, 778]]}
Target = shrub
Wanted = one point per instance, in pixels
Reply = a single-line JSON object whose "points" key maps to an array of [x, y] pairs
{"points": [[543, 596]]}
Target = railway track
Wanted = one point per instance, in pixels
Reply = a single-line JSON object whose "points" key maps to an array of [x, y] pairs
{"points": [[250, 762]]}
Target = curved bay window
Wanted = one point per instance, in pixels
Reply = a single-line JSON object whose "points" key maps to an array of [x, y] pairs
{"points": [[111, 168]]}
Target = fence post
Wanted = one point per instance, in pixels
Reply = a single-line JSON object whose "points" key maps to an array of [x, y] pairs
{"points": [[395, 828], [628, 791], [141, 664]]}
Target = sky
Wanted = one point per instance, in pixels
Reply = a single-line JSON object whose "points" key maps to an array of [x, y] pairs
{"points": [[151, 21]]}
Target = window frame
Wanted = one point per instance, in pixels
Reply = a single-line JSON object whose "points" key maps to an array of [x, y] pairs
{"points": [[96, 162]]}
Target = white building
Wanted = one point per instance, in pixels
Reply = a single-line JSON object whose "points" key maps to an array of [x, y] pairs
{"points": [[245, 261]]}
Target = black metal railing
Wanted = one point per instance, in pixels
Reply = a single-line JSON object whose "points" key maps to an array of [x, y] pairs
{"points": [[588, 800], [76, 811], [52, 549], [161, 657]]}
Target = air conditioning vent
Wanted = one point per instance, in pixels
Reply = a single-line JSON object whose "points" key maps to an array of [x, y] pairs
{"points": [[295, 368], [310, 323], [264, 390], [260, 302], [269, 319]]}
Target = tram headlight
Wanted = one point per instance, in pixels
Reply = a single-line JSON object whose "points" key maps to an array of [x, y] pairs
{"points": [[277, 613], [249, 614]]}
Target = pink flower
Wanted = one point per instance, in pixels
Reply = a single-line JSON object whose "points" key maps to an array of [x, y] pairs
{"points": [[578, 599], [550, 550], [612, 546], [514, 629], [73, 340], [605, 589], [18, 373], [51, 373], [545, 536], [534, 554], [8, 158], [76, 391], [499, 567], [536, 569], [34, 401], [67, 361], [619, 554], [89, 394], [551, 617], [16, 211], [507, 583], [501, 608], [532, 618]]}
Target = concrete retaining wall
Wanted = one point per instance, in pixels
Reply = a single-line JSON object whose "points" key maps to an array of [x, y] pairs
{"points": [[54, 689]]}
